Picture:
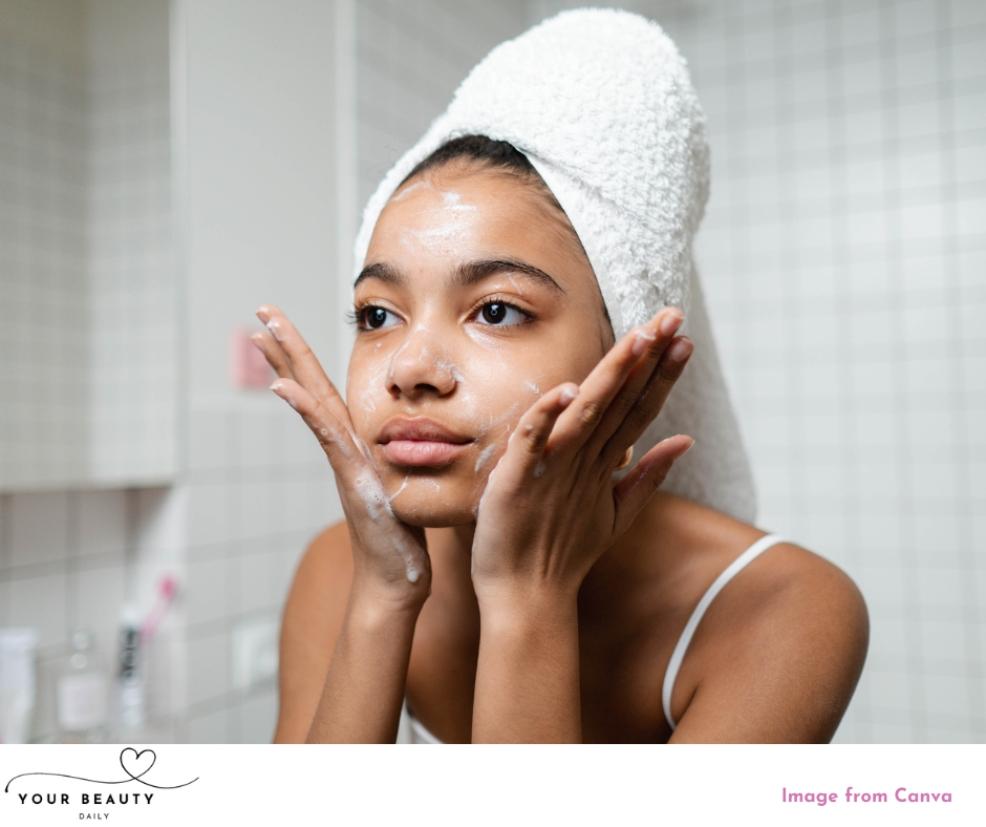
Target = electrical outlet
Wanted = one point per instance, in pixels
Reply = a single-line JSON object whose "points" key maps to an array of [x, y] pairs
{"points": [[254, 652]]}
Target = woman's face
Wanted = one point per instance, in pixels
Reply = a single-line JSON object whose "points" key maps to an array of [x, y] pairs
{"points": [[469, 348]]}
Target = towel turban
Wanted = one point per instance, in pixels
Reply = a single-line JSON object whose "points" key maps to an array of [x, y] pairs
{"points": [[601, 103]]}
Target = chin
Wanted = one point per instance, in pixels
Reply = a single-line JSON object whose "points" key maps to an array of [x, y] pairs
{"points": [[428, 508]]}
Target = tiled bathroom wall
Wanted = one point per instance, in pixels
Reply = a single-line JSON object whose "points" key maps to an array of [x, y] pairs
{"points": [[89, 389], [88, 396], [43, 238], [131, 356], [845, 243], [252, 487]]}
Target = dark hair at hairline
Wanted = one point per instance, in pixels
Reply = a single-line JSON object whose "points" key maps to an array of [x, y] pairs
{"points": [[497, 156]]}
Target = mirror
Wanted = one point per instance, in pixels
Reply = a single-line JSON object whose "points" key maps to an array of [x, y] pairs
{"points": [[88, 274]]}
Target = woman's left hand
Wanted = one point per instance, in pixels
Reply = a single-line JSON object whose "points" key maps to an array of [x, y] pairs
{"points": [[550, 508]]}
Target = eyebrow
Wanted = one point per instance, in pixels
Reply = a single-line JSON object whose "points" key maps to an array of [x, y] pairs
{"points": [[464, 275]]}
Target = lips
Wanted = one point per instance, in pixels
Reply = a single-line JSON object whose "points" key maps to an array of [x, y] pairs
{"points": [[421, 442], [420, 453], [419, 429]]}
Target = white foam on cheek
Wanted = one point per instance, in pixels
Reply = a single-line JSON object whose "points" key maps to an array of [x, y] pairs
{"points": [[376, 383], [484, 455], [496, 420], [394, 496], [534, 387], [486, 341], [486, 491]]}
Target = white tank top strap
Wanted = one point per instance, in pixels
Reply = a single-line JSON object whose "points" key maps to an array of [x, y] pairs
{"points": [[411, 730], [678, 654]]}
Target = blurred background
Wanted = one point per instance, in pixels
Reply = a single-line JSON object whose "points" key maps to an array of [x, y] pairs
{"points": [[166, 167]]}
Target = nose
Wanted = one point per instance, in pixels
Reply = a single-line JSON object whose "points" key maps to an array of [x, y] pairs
{"points": [[417, 367]]}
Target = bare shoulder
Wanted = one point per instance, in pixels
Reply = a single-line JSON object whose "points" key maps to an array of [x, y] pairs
{"points": [[310, 622], [713, 540], [785, 647]]}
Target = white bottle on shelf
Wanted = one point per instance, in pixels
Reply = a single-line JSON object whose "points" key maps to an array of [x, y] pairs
{"points": [[18, 683], [82, 693]]}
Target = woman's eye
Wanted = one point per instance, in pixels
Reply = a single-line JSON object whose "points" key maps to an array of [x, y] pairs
{"points": [[495, 311], [369, 317]]}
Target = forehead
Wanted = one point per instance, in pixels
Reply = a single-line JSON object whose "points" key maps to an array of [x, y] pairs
{"points": [[453, 215]]}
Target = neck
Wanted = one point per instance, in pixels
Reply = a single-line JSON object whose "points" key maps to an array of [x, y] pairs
{"points": [[450, 549]]}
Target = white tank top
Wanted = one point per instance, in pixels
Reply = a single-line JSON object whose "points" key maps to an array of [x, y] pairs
{"points": [[412, 731]]}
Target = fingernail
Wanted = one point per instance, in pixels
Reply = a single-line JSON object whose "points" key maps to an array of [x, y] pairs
{"points": [[263, 313], [671, 322], [687, 448], [275, 329], [640, 341], [680, 349], [567, 395]]}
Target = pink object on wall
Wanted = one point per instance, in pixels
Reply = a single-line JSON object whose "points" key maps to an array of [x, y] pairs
{"points": [[247, 365]]}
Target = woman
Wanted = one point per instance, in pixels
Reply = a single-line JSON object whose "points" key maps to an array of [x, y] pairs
{"points": [[505, 586]]}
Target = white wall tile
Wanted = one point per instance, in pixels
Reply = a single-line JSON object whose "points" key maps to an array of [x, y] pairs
{"points": [[208, 595], [39, 602], [209, 439], [101, 523], [943, 639], [38, 528], [211, 727], [208, 666], [256, 718], [99, 597], [253, 574], [207, 513]]}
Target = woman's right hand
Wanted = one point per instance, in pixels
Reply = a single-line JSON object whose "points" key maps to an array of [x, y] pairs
{"points": [[390, 557]]}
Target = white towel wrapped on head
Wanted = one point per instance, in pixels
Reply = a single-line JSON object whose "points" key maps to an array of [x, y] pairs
{"points": [[601, 103]]}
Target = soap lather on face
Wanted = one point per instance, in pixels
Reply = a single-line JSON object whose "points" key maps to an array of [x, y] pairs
{"points": [[439, 353]]}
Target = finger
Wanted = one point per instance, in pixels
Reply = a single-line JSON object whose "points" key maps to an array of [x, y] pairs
{"points": [[634, 491], [337, 440], [650, 401], [535, 427], [654, 345], [579, 423], [273, 353], [304, 365]]}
